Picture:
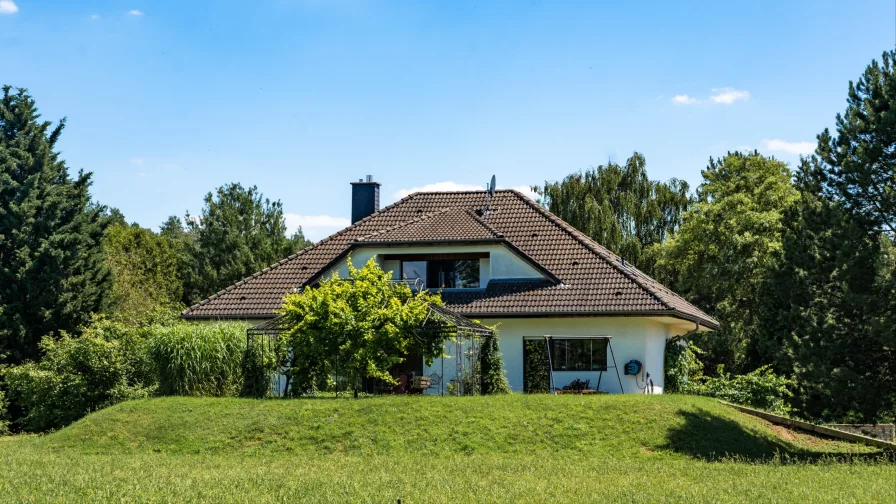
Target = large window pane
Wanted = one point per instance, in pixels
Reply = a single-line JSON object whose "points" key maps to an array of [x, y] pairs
{"points": [[579, 354], [413, 270], [466, 274]]}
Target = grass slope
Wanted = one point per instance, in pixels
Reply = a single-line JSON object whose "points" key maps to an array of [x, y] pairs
{"points": [[428, 449]]}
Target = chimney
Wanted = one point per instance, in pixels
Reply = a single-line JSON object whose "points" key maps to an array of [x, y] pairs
{"points": [[365, 198]]}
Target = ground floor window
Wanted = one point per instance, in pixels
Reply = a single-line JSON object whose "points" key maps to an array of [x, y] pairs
{"points": [[579, 354]]}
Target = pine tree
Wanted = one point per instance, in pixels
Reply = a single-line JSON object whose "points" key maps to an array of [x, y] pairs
{"points": [[52, 271]]}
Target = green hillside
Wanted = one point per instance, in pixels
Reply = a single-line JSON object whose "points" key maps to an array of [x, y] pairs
{"points": [[428, 449]]}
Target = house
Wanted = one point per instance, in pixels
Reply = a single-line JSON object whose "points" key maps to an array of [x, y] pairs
{"points": [[501, 259]]}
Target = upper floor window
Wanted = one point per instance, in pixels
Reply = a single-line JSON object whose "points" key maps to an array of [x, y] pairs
{"points": [[442, 273]]}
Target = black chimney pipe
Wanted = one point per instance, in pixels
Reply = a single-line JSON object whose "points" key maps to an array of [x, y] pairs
{"points": [[365, 198]]}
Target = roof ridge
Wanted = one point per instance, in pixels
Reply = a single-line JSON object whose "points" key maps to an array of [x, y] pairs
{"points": [[482, 222], [600, 251], [293, 256]]}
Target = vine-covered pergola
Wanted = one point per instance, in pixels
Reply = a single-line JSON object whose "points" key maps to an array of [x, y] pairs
{"points": [[461, 334]]}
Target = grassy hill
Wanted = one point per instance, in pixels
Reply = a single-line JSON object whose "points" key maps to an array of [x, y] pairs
{"points": [[429, 449]]}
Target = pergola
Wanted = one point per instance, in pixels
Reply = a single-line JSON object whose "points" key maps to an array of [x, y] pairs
{"points": [[460, 332]]}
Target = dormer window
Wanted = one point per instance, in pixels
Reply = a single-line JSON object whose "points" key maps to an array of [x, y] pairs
{"points": [[460, 271]]}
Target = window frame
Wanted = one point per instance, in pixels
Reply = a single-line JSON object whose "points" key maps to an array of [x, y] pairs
{"points": [[556, 359]]}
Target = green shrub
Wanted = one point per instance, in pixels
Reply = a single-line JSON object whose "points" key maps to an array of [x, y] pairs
{"points": [[261, 359], [4, 419], [491, 365], [75, 376], [199, 359], [681, 365], [761, 389]]}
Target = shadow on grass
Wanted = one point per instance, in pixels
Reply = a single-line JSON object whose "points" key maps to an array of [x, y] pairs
{"points": [[709, 437]]}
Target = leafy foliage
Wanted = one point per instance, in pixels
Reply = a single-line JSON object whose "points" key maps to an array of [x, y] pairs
{"points": [[358, 327], [78, 375], [4, 418], [261, 360], [535, 366], [719, 256], [682, 365], [200, 359], [237, 234], [52, 273], [491, 367], [619, 207], [761, 389], [145, 271], [828, 313]]}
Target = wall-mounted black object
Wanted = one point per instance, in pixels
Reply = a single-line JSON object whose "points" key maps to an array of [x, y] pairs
{"points": [[633, 367]]}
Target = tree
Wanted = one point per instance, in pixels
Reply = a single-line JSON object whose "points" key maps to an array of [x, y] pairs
{"points": [[358, 327], [829, 311], [862, 158], [146, 273], [727, 240], [619, 207], [491, 366], [237, 234], [52, 271]]}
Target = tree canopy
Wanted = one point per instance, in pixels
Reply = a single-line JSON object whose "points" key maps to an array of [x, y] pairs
{"points": [[717, 259], [52, 271], [357, 327], [619, 207], [146, 273], [237, 233]]}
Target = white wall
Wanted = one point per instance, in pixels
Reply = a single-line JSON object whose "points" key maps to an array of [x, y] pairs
{"points": [[639, 338], [501, 263]]}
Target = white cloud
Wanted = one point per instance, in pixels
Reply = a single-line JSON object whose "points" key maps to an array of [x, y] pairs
{"points": [[135, 12], [137, 161], [449, 186], [8, 7], [684, 99], [728, 96], [315, 227], [796, 148], [94, 16]]}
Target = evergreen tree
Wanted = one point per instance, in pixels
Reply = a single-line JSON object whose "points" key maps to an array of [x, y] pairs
{"points": [[491, 367], [619, 207], [828, 305], [237, 234], [52, 271]]}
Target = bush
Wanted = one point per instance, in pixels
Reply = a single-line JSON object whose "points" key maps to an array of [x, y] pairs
{"points": [[75, 376], [4, 419], [261, 359], [682, 366], [199, 359], [494, 380], [761, 389]]}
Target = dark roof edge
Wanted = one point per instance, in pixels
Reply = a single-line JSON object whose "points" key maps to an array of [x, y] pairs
{"points": [[711, 324]]}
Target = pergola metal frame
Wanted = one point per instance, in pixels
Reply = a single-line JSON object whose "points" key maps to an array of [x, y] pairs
{"points": [[439, 320]]}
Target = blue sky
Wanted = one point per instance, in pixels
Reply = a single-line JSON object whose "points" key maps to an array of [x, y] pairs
{"points": [[166, 100]]}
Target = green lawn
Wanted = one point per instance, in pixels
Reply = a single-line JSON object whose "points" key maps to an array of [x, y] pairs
{"points": [[429, 449]]}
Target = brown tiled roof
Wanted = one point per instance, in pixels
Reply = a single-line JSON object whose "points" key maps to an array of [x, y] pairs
{"points": [[587, 278], [447, 224]]}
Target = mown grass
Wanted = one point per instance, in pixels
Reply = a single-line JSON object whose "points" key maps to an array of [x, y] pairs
{"points": [[427, 449]]}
